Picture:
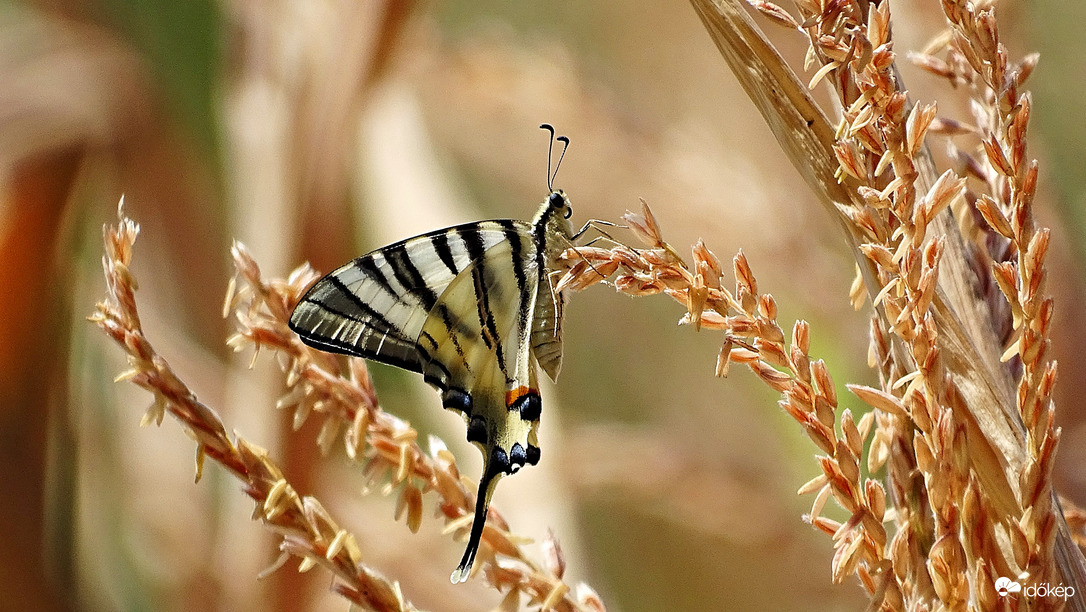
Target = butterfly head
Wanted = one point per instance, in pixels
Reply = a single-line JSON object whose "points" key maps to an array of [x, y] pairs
{"points": [[551, 223], [559, 203]]}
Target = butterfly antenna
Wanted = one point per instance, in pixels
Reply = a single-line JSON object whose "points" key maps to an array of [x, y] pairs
{"points": [[565, 141], [550, 179], [550, 150]]}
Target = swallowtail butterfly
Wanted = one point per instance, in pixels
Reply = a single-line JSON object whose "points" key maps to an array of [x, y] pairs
{"points": [[474, 309]]}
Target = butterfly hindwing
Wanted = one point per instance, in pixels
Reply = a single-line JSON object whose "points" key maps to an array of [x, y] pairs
{"points": [[478, 336]]}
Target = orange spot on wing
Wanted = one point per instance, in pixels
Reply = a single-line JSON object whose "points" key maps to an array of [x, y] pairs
{"points": [[513, 395]]}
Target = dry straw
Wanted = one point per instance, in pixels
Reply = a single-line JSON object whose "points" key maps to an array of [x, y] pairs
{"points": [[953, 265]]}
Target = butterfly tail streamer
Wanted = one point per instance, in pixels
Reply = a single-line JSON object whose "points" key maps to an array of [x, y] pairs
{"points": [[487, 484]]}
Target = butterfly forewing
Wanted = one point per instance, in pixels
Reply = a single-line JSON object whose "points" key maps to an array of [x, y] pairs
{"points": [[473, 308], [376, 305]]}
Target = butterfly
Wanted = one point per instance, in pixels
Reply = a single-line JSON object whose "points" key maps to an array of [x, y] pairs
{"points": [[473, 308]]}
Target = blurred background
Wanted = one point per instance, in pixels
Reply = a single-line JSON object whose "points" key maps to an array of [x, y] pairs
{"points": [[320, 130]]}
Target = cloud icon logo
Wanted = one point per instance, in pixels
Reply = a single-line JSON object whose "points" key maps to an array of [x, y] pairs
{"points": [[1004, 586]]}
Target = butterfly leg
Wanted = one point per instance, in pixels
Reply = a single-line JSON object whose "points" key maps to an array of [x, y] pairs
{"points": [[596, 225], [557, 299]]}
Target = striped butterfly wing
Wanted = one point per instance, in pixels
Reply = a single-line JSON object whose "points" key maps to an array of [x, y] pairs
{"points": [[376, 305], [474, 310]]}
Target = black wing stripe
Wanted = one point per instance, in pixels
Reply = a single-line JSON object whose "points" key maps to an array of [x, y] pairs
{"points": [[524, 303], [491, 338], [430, 341], [408, 275], [367, 264], [440, 242], [539, 237], [335, 345], [473, 242], [371, 318], [516, 245], [476, 248], [436, 374], [369, 333]]}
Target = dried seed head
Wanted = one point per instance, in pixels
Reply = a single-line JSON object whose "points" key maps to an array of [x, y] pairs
{"points": [[878, 399], [845, 559], [589, 599], [723, 359], [637, 286], [412, 501], [925, 458], [947, 187], [848, 157], [818, 483], [584, 274], [917, 125], [947, 565], [824, 383], [771, 376], [821, 435], [744, 277], [851, 433], [876, 499], [994, 217], [775, 13], [707, 263], [882, 58], [801, 336], [1036, 252], [644, 226], [553, 558], [767, 307], [772, 353], [696, 296], [997, 157]]}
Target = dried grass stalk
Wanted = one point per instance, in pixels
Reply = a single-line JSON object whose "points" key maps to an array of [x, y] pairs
{"points": [[963, 416], [386, 447]]}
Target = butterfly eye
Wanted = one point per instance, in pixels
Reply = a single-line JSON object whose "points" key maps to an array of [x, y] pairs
{"points": [[558, 201]]}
